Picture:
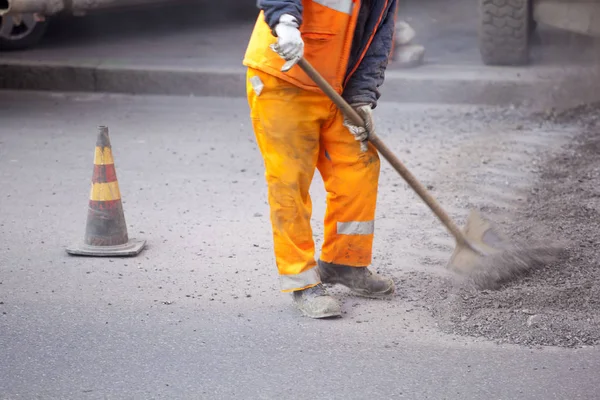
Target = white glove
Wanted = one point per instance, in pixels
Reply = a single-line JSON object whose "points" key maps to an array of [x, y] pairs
{"points": [[361, 133], [290, 45]]}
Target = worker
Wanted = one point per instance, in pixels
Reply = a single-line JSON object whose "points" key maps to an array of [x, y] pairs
{"points": [[298, 128]]}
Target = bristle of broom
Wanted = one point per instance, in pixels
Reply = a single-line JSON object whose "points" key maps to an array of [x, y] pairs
{"points": [[496, 270]]}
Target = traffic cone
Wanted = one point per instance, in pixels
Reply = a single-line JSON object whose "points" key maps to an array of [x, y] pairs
{"points": [[106, 231]]}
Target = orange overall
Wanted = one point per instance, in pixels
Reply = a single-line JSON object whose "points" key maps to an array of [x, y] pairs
{"points": [[298, 128]]}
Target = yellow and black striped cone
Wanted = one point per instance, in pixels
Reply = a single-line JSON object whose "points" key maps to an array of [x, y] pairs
{"points": [[106, 231]]}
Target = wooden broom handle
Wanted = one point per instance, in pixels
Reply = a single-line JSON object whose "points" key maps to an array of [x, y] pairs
{"points": [[385, 151]]}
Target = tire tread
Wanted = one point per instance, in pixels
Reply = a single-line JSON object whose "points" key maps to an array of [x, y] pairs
{"points": [[504, 32]]}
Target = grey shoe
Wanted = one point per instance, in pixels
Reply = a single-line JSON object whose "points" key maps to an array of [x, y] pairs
{"points": [[315, 302], [360, 280]]}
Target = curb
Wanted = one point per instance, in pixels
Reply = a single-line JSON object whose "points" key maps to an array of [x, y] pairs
{"points": [[122, 79], [533, 87]]}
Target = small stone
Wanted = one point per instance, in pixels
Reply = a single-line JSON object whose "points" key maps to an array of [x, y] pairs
{"points": [[533, 320]]}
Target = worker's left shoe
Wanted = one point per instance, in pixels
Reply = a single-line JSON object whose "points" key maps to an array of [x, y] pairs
{"points": [[360, 280], [315, 302]]}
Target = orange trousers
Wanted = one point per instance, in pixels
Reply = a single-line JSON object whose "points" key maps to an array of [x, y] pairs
{"points": [[297, 131]]}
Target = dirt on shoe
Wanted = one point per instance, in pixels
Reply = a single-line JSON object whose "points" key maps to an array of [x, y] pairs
{"points": [[360, 281], [315, 302]]}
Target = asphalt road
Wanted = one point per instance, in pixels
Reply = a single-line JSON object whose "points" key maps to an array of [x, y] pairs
{"points": [[198, 313]]}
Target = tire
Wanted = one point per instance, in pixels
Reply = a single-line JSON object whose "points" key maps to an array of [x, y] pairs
{"points": [[504, 29], [20, 33]]}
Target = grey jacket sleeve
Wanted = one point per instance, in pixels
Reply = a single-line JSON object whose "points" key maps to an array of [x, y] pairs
{"points": [[369, 76], [274, 9]]}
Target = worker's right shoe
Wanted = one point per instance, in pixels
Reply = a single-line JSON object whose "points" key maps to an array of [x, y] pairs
{"points": [[360, 280], [315, 302]]}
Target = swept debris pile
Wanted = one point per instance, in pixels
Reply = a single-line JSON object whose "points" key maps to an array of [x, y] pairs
{"points": [[557, 305]]}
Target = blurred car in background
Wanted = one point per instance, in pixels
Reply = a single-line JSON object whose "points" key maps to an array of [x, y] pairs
{"points": [[506, 26], [23, 23]]}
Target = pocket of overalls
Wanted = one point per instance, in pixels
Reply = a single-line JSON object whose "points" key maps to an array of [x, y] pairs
{"points": [[321, 52]]}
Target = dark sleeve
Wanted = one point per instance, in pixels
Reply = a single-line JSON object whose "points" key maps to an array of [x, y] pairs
{"points": [[369, 76], [274, 9]]}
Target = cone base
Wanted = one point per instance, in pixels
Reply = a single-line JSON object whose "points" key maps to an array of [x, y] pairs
{"points": [[132, 248]]}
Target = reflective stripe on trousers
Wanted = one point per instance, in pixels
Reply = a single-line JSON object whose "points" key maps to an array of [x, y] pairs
{"points": [[301, 280], [355, 228], [297, 131]]}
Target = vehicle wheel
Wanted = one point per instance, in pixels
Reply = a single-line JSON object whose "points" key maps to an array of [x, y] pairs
{"points": [[504, 29], [20, 31]]}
